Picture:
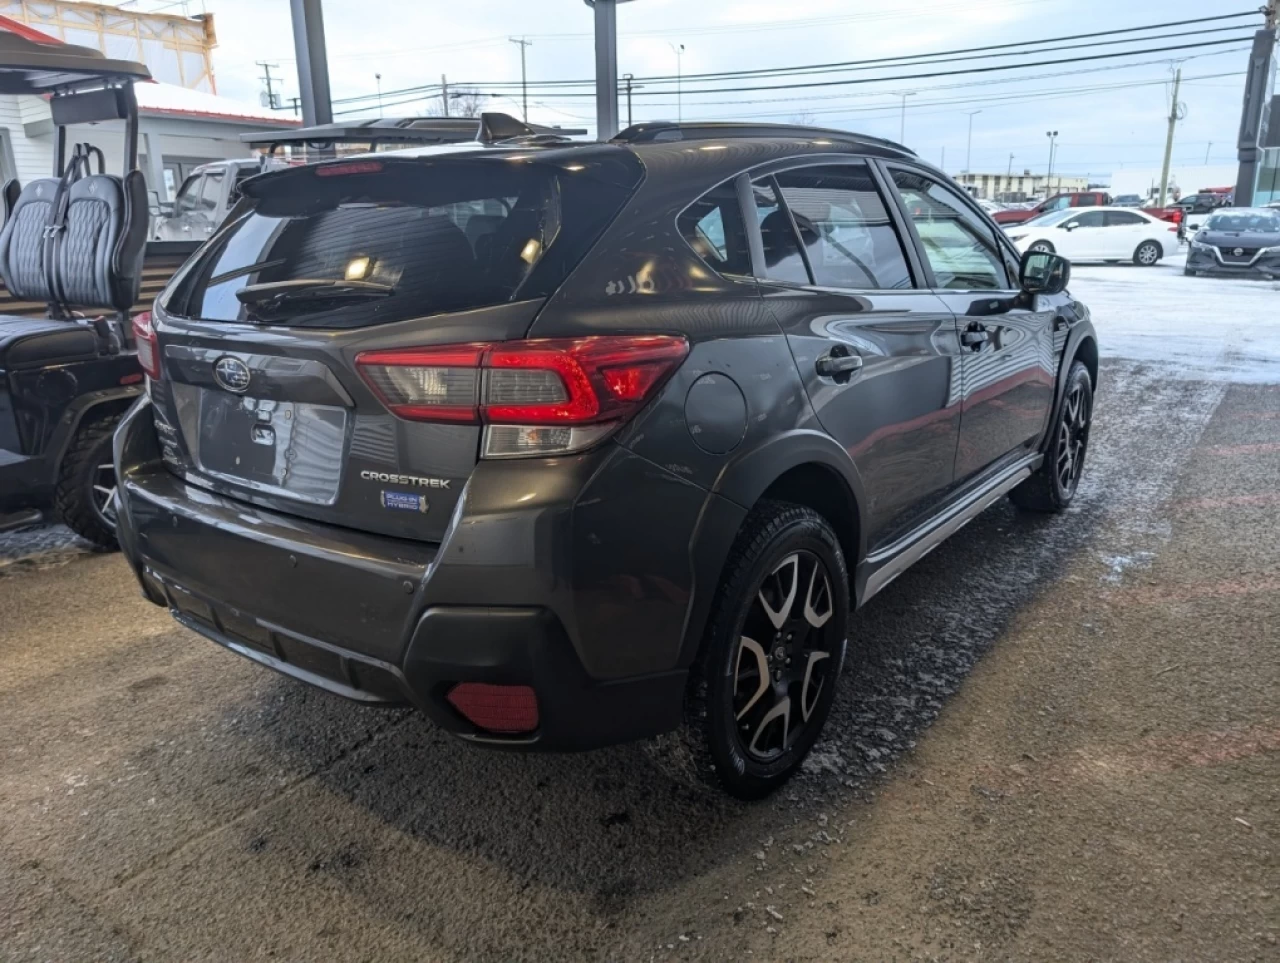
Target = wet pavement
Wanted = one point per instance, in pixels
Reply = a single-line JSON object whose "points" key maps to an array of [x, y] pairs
{"points": [[1059, 738]]}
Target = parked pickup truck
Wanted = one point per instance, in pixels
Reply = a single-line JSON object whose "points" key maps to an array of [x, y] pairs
{"points": [[205, 197], [1057, 202]]}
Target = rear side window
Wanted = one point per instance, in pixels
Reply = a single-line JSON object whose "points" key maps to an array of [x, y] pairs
{"points": [[714, 228], [406, 240], [782, 258], [850, 240], [1124, 219]]}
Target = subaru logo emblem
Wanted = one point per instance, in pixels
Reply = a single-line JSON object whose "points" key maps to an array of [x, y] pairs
{"points": [[232, 374], [1238, 252]]}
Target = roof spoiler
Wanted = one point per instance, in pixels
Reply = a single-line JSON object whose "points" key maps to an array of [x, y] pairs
{"points": [[488, 128]]}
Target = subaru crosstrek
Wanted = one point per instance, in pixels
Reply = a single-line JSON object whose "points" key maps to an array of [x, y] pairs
{"points": [[571, 444]]}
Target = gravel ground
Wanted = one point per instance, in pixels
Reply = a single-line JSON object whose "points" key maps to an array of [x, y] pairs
{"points": [[1058, 739]]}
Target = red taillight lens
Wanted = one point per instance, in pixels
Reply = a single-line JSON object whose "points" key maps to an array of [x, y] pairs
{"points": [[144, 333], [506, 709], [536, 396]]}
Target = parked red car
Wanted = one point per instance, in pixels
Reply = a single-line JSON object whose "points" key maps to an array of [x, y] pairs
{"points": [[1058, 202]]}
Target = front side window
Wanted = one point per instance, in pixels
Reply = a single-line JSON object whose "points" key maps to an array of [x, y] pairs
{"points": [[849, 237], [960, 245], [713, 226], [1057, 204], [1087, 219]]}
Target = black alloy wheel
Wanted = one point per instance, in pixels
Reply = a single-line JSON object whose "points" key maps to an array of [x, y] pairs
{"points": [[762, 686], [1054, 484], [784, 657], [1073, 438]]}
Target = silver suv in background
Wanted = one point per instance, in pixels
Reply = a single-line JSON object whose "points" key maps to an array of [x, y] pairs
{"points": [[205, 197]]}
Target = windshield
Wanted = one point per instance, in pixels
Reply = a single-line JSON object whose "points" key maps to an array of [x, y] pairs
{"points": [[1046, 220], [1245, 222], [405, 239]]}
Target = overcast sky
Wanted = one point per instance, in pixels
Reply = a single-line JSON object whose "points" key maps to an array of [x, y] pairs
{"points": [[1101, 130]]}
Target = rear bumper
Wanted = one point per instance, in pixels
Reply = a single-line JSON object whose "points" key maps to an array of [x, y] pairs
{"points": [[510, 597]]}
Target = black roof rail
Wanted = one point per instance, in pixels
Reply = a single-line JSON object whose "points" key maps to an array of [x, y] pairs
{"points": [[488, 128], [709, 130]]}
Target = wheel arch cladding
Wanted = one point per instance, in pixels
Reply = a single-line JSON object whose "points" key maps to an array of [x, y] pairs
{"points": [[817, 486], [1087, 352]]}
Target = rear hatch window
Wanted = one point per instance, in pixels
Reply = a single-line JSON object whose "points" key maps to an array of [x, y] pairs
{"points": [[369, 242]]}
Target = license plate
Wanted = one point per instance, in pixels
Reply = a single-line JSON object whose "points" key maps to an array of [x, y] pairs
{"points": [[284, 447]]}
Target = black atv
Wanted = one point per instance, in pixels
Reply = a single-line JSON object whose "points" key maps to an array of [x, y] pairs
{"points": [[73, 242]]}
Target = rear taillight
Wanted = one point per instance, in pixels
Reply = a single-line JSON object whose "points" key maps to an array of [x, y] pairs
{"points": [[534, 397], [144, 333]]}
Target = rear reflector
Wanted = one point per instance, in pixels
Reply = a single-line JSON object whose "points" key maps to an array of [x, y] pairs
{"points": [[581, 387], [503, 709], [148, 347]]}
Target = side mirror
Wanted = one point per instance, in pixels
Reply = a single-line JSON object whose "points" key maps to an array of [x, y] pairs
{"points": [[1044, 273], [1070, 225]]}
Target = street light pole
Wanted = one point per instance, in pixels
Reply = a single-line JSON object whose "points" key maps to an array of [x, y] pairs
{"points": [[1048, 177], [968, 151], [679, 52], [902, 126], [378, 78]]}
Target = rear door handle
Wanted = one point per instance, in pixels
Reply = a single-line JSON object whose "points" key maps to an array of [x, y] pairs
{"points": [[832, 365]]}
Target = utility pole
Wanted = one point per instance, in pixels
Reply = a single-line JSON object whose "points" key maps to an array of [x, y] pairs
{"points": [[378, 79], [524, 82], [1272, 12], [1176, 113], [968, 153], [1207, 151], [444, 93], [1048, 177], [267, 79], [902, 126]]}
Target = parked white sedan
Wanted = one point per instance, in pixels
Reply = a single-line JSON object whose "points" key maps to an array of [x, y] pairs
{"points": [[1098, 234]]}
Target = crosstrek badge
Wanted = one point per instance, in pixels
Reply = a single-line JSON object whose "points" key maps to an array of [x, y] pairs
{"points": [[404, 501]]}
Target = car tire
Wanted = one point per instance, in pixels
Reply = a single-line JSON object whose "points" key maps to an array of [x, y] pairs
{"points": [[786, 583], [1054, 484], [1148, 254], [1188, 273], [1042, 247], [85, 492]]}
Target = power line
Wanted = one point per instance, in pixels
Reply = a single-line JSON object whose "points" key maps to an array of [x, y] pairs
{"points": [[552, 88]]}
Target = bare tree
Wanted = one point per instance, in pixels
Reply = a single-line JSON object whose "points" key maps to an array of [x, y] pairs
{"points": [[463, 102], [804, 119]]}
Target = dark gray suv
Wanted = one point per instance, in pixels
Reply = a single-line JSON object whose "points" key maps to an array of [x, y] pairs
{"points": [[570, 444]]}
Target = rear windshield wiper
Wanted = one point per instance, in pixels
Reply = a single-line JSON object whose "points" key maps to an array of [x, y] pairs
{"points": [[278, 294]]}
